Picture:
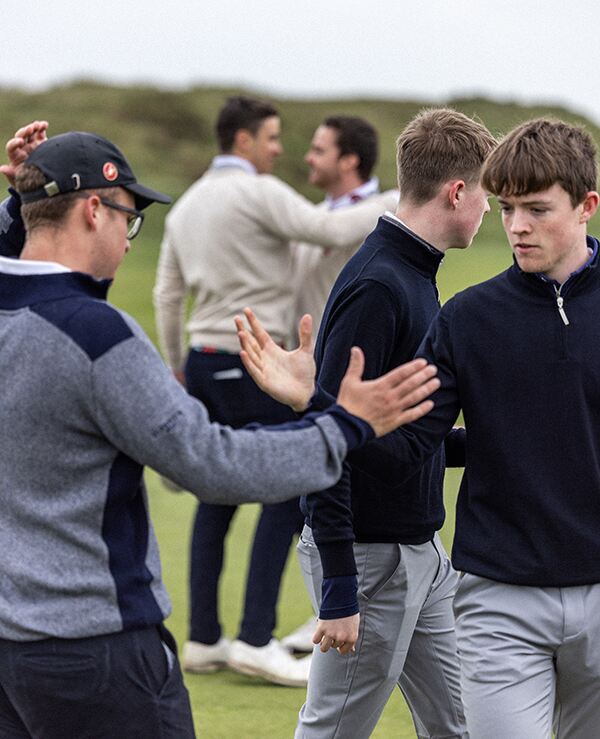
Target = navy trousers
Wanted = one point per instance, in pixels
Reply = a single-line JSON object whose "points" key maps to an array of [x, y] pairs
{"points": [[127, 685], [231, 397]]}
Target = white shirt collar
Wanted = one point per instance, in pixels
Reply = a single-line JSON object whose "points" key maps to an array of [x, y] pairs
{"points": [[349, 198], [230, 160], [30, 267], [393, 218]]}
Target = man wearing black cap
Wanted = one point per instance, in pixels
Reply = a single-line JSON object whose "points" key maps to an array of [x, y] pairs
{"points": [[85, 403]]}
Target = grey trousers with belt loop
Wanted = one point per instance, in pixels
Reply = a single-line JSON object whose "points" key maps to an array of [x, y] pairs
{"points": [[406, 638]]}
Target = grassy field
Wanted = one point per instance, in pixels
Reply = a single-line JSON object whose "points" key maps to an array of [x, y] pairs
{"points": [[168, 138]]}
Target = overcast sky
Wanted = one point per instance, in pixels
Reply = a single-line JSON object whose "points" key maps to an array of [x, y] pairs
{"points": [[432, 49]]}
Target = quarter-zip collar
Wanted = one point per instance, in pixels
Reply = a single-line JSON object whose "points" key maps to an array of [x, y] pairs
{"points": [[416, 251], [540, 283]]}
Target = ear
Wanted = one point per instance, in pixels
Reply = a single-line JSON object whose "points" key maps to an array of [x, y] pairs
{"points": [[589, 206], [348, 162], [455, 192], [242, 141], [91, 209]]}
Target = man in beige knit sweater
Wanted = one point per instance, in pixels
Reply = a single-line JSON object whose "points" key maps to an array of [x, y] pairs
{"points": [[341, 158], [227, 245]]}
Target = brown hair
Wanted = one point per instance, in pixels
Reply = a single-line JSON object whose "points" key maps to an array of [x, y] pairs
{"points": [[49, 212], [355, 136], [241, 112], [540, 153], [440, 144]]}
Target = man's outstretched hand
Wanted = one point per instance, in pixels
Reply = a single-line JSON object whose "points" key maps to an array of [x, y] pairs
{"points": [[392, 400], [25, 140], [287, 376]]}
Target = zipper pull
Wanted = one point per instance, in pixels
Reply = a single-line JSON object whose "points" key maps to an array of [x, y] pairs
{"points": [[560, 302]]}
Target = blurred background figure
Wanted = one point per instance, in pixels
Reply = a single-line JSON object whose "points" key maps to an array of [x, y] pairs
{"points": [[227, 245], [341, 158]]}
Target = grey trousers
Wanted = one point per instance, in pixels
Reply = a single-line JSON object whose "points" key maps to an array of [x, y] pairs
{"points": [[406, 638], [530, 659]]}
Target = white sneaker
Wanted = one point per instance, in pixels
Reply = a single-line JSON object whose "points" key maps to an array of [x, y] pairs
{"points": [[272, 662], [300, 640], [198, 657]]}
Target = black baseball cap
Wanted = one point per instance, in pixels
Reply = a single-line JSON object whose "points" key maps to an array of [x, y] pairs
{"points": [[84, 161]]}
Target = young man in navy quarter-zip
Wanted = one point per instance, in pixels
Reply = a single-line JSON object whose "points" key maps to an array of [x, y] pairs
{"points": [[370, 554], [520, 354]]}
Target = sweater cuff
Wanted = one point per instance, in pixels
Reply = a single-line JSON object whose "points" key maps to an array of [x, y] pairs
{"points": [[321, 400], [356, 431], [337, 558], [338, 597]]}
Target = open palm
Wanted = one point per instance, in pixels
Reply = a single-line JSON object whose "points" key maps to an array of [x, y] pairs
{"points": [[287, 376]]}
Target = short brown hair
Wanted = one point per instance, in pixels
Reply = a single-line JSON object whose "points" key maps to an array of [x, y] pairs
{"points": [[49, 212], [540, 153], [440, 144], [241, 112]]}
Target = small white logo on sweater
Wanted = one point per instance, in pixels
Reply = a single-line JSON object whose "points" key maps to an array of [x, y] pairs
{"points": [[235, 373]]}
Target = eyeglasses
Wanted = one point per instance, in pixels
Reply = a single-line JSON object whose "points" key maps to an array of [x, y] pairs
{"points": [[134, 220]]}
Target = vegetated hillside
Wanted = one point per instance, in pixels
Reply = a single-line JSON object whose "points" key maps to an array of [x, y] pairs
{"points": [[168, 135]]}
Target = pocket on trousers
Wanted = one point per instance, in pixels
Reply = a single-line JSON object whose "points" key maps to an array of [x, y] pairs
{"points": [[369, 586], [71, 675]]}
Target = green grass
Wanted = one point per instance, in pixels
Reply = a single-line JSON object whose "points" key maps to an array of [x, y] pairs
{"points": [[225, 704]]}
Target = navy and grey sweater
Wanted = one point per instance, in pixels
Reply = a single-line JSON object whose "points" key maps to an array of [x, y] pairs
{"points": [[383, 301], [528, 510], [86, 403]]}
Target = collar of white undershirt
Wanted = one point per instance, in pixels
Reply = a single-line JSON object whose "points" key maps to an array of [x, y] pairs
{"points": [[393, 218], [368, 188], [221, 161], [30, 267]]}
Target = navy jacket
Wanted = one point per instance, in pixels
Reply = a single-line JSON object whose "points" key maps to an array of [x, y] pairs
{"points": [[383, 301], [529, 386]]}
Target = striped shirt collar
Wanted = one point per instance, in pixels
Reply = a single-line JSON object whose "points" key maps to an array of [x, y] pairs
{"points": [[368, 188]]}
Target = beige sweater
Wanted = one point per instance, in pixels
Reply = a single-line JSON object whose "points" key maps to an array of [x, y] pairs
{"points": [[315, 268], [227, 245]]}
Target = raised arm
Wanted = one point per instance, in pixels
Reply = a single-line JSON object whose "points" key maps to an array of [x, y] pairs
{"points": [[292, 217], [20, 146]]}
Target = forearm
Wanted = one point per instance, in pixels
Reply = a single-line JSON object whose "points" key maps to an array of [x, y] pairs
{"points": [[330, 517], [155, 422], [169, 306], [294, 218]]}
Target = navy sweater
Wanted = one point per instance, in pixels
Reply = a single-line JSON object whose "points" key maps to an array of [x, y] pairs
{"points": [[529, 386], [383, 301], [12, 230]]}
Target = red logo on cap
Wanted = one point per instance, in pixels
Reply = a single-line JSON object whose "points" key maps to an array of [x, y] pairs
{"points": [[110, 172]]}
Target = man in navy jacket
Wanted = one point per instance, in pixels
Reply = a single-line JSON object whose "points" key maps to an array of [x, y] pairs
{"points": [[519, 355], [369, 551]]}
